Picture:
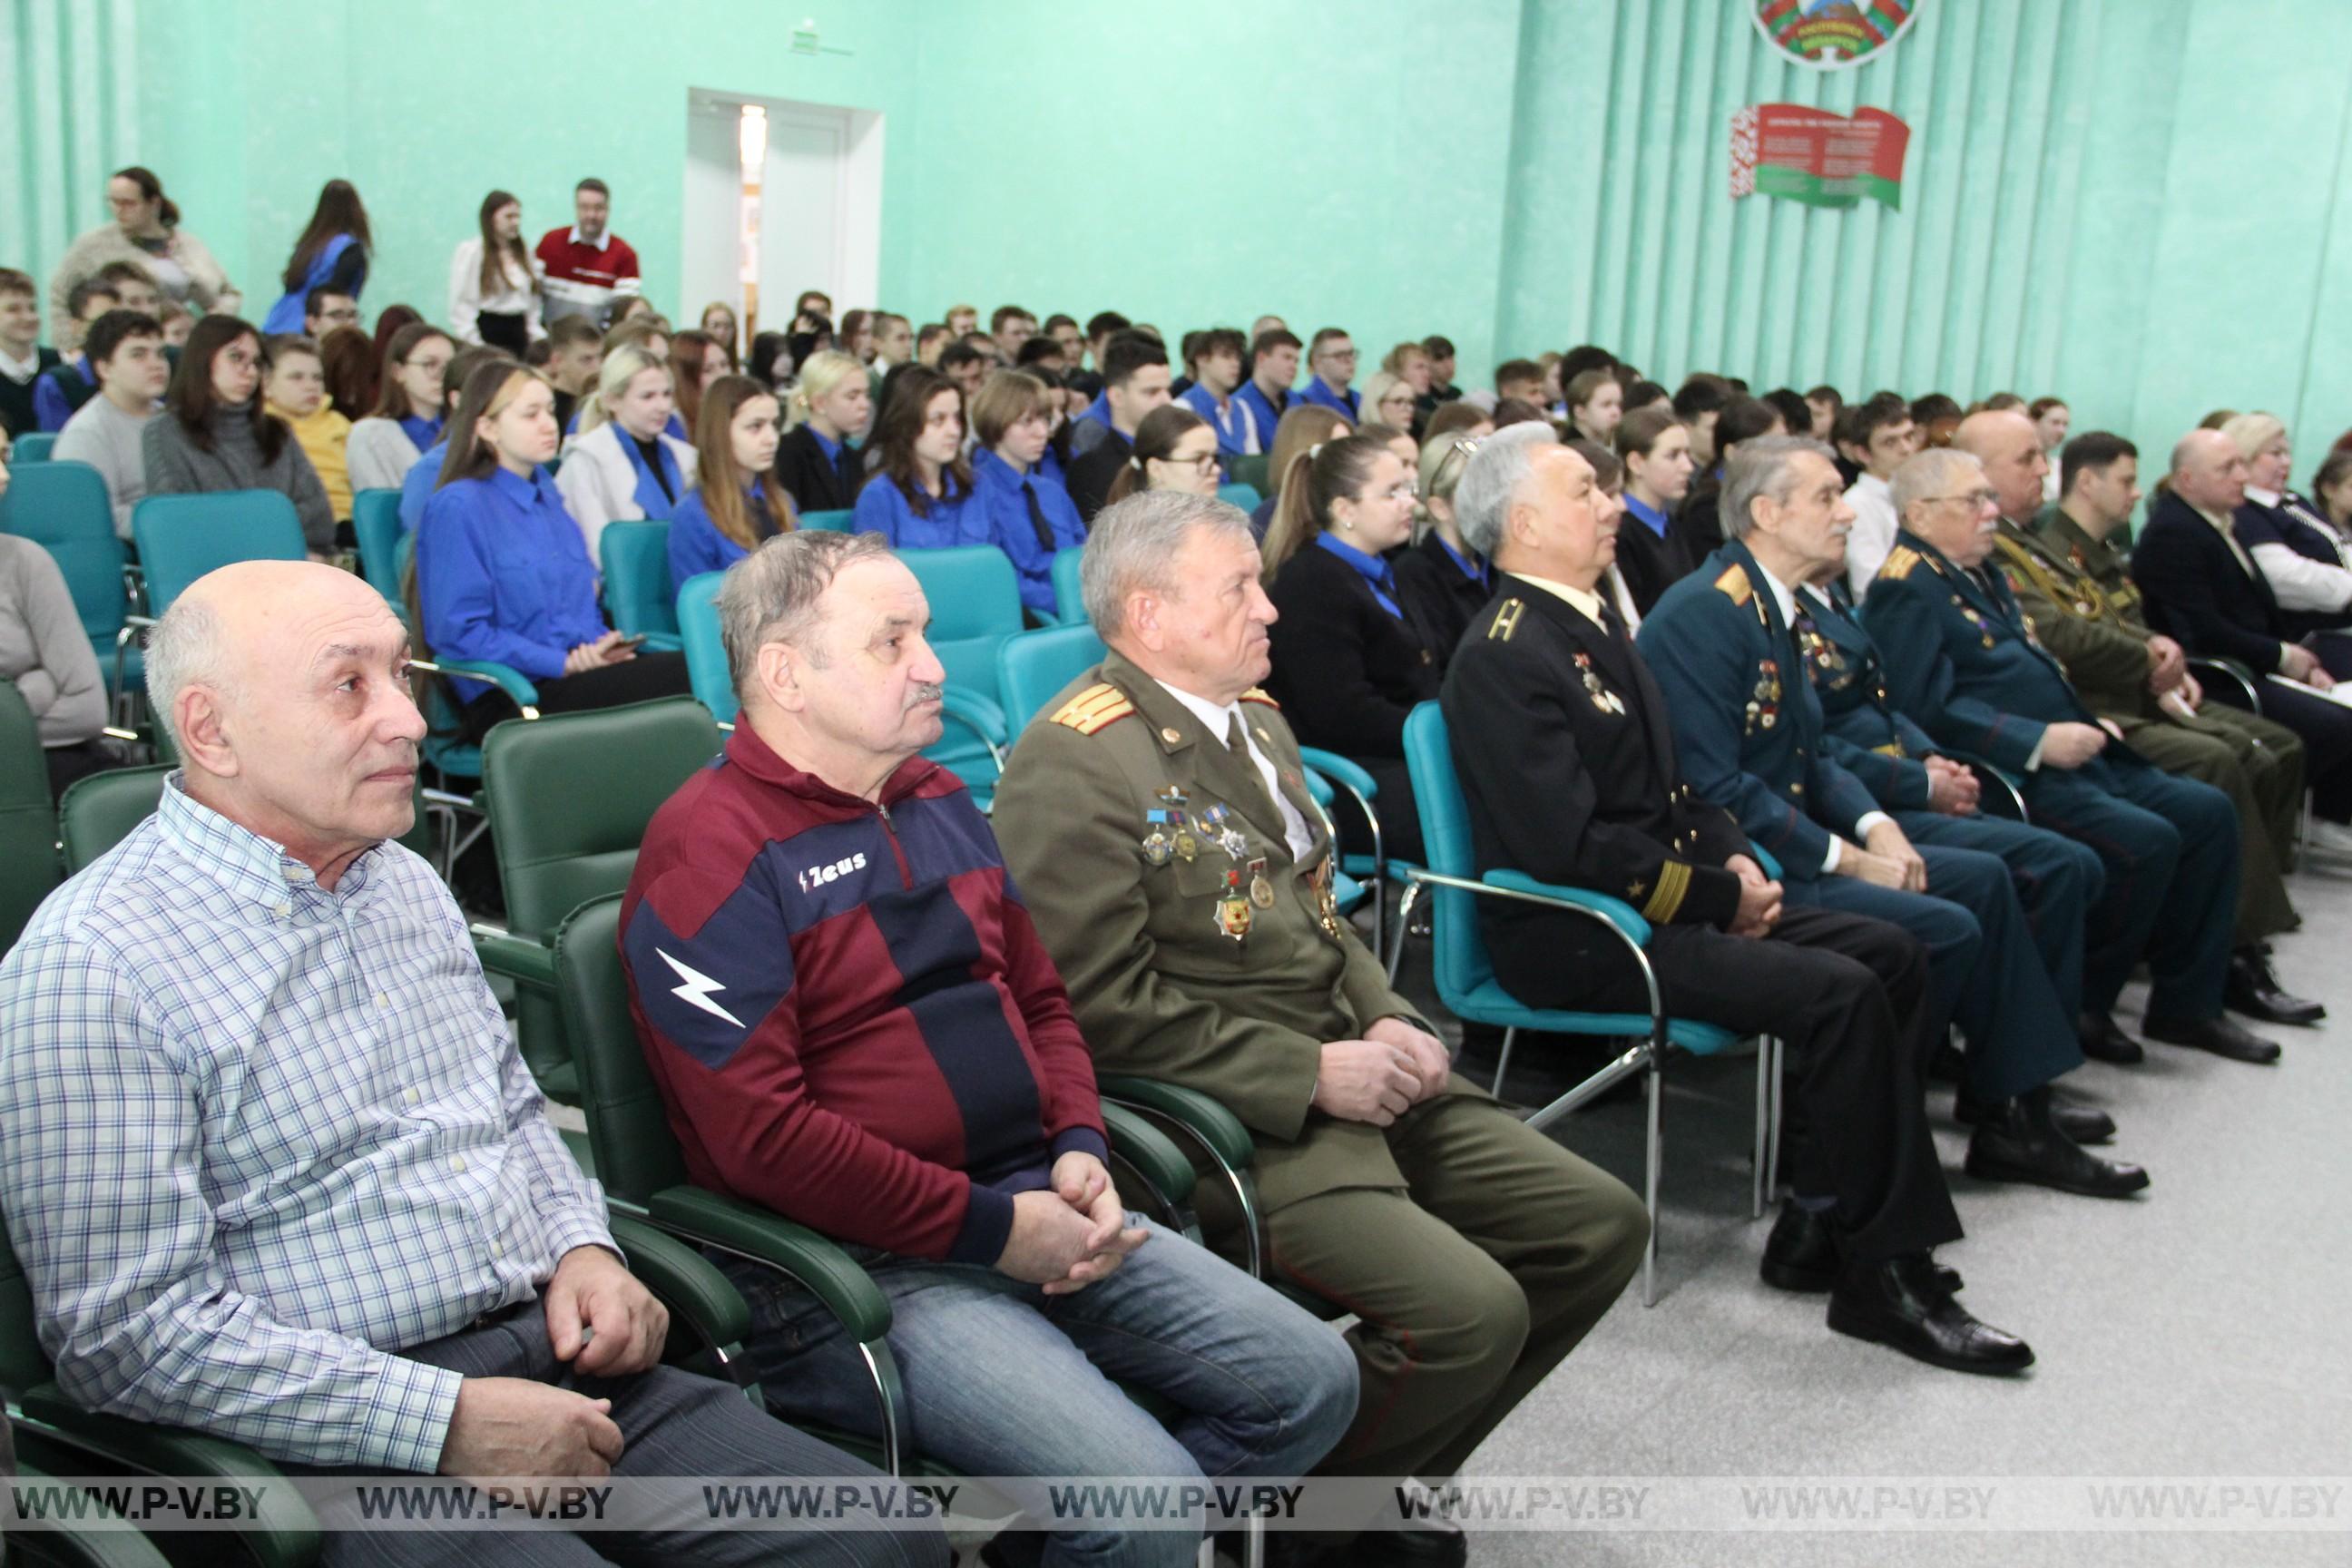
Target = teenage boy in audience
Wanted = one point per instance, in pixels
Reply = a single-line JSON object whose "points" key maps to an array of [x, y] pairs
{"points": [[932, 342], [1265, 397], [962, 319], [1440, 350], [66, 385], [1876, 437], [879, 1048], [967, 365], [1216, 361], [1064, 330], [1011, 326], [1521, 380], [589, 269], [575, 353], [814, 302], [1332, 357], [325, 309], [126, 353], [1698, 402], [894, 342], [22, 357], [1135, 382]]}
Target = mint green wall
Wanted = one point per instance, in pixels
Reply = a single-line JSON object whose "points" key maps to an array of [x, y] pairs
{"points": [[2131, 202]]}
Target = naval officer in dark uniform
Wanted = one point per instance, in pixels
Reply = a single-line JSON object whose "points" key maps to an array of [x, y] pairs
{"points": [[1751, 731], [1963, 662], [1567, 771]]}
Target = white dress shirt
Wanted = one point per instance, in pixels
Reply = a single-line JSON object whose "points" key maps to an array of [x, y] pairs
{"points": [[2298, 582], [1872, 539], [1787, 603], [1219, 722]]}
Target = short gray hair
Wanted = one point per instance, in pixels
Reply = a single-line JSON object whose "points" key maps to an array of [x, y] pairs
{"points": [[1930, 473], [185, 648], [1482, 499], [771, 595], [1133, 545], [1762, 466]]}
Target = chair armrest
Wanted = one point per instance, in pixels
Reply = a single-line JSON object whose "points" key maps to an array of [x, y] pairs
{"points": [[1149, 1150], [285, 1533], [664, 642], [1992, 780], [1766, 861], [1338, 769], [1616, 912], [982, 715], [506, 677], [2229, 675], [687, 1283], [519, 958], [1205, 1118], [830, 1275]]}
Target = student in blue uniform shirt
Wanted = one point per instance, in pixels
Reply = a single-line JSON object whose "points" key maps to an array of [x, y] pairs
{"points": [[1266, 397], [1749, 729], [1332, 357], [503, 574], [920, 496], [1028, 516], [424, 475], [737, 506], [1216, 361]]}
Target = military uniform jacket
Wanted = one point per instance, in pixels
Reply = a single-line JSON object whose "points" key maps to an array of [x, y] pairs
{"points": [[1162, 986], [2079, 595], [1963, 662], [1568, 769], [1745, 719], [1863, 732]]}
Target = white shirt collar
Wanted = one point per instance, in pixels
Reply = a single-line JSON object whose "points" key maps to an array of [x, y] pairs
{"points": [[1870, 484], [1780, 594], [579, 239], [20, 371], [1218, 722], [2267, 498], [1585, 602]]}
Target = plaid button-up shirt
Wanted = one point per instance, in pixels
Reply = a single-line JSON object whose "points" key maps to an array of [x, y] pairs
{"points": [[255, 1137]]}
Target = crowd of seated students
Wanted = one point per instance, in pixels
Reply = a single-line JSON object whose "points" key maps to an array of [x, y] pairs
{"points": [[1404, 523]]}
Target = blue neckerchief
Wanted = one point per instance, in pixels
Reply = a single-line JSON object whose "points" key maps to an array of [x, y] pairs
{"points": [[832, 449], [655, 505], [1650, 519], [1371, 568], [1479, 573], [421, 430]]}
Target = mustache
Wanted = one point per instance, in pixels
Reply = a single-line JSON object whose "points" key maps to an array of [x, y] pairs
{"points": [[924, 691]]}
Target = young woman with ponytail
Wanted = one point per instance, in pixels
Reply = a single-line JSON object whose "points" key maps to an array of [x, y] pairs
{"points": [[1175, 449], [737, 506], [1349, 660], [828, 410]]}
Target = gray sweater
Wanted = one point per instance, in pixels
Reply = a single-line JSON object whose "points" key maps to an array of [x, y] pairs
{"points": [[177, 466], [109, 440], [43, 647]]}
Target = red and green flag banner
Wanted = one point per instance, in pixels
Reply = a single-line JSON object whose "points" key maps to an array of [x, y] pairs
{"points": [[1828, 34], [1818, 156]]}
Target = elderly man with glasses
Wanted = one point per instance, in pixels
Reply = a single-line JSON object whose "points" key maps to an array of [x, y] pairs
{"points": [[1966, 665]]}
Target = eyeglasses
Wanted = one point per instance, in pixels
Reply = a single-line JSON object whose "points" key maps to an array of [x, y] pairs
{"points": [[1348, 355], [1978, 499], [1206, 463]]}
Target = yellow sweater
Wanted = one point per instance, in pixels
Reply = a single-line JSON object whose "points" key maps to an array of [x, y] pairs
{"points": [[323, 434]]}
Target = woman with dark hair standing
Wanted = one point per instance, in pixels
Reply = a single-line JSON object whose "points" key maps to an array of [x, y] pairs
{"points": [[331, 254], [736, 505], [407, 418], [214, 434], [920, 495], [146, 230], [502, 572], [494, 282], [1349, 660]]}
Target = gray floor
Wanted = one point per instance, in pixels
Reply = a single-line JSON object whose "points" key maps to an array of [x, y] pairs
{"points": [[2199, 1331]]}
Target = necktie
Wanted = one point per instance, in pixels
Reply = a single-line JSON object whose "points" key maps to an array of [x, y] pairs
{"points": [[1238, 743], [1038, 517]]}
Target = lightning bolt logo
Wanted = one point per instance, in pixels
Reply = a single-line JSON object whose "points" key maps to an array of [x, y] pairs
{"points": [[697, 989]]}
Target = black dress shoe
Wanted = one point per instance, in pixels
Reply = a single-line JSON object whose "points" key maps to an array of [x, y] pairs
{"points": [[1802, 1254], [1899, 1302], [2104, 1040], [2254, 991], [2079, 1122], [2022, 1142], [1424, 1544], [2219, 1036]]}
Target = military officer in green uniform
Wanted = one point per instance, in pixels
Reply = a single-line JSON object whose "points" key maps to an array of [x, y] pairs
{"points": [[1157, 820], [2076, 588]]}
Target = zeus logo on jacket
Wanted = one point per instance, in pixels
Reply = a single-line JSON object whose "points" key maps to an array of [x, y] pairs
{"points": [[818, 876]]}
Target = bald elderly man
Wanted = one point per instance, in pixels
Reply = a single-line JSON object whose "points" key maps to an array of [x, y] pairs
{"points": [[2202, 587], [274, 1165]]}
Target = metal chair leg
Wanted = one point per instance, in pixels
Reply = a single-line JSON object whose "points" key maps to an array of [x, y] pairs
{"points": [[1650, 1186], [1763, 1123], [1406, 901], [1503, 1061], [1772, 1159]]}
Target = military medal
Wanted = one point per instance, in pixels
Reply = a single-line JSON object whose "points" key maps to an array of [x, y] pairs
{"points": [[1187, 846], [1261, 887], [1326, 904], [1215, 821], [1763, 708], [1157, 846], [1602, 698], [1233, 911]]}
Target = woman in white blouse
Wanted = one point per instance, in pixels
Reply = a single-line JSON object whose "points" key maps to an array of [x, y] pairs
{"points": [[494, 282], [623, 465]]}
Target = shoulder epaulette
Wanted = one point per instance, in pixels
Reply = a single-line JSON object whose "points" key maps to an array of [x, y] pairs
{"points": [[1098, 705], [1734, 584], [1506, 619], [1901, 562], [1259, 694]]}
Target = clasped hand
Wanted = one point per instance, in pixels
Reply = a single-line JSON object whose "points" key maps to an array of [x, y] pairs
{"points": [[1067, 1236]]}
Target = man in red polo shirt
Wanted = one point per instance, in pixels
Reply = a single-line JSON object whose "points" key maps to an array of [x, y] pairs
{"points": [[589, 268]]}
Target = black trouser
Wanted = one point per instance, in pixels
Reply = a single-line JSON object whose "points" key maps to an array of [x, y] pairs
{"points": [[68, 764], [2326, 727], [638, 679], [504, 329], [1849, 996]]}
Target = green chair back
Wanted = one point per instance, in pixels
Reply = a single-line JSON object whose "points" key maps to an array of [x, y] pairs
{"points": [[1251, 470], [1032, 667], [28, 822], [32, 448], [1069, 602], [1241, 495], [182, 537], [99, 812], [375, 522], [637, 577], [23, 1364], [63, 508], [637, 1153], [706, 653]]}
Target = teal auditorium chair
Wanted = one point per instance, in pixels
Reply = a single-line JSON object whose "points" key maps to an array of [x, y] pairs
{"points": [[1466, 983], [64, 508], [1241, 495], [638, 1158], [844, 520], [1252, 470], [1069, 602], [453, 759], [27, 451], [375, 523], [975, 600], [637, 597], [182, 537], [28, 822], [705, 652]]}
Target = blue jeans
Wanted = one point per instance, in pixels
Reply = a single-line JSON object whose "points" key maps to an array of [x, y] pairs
{"points": [[1003, 1379]]}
